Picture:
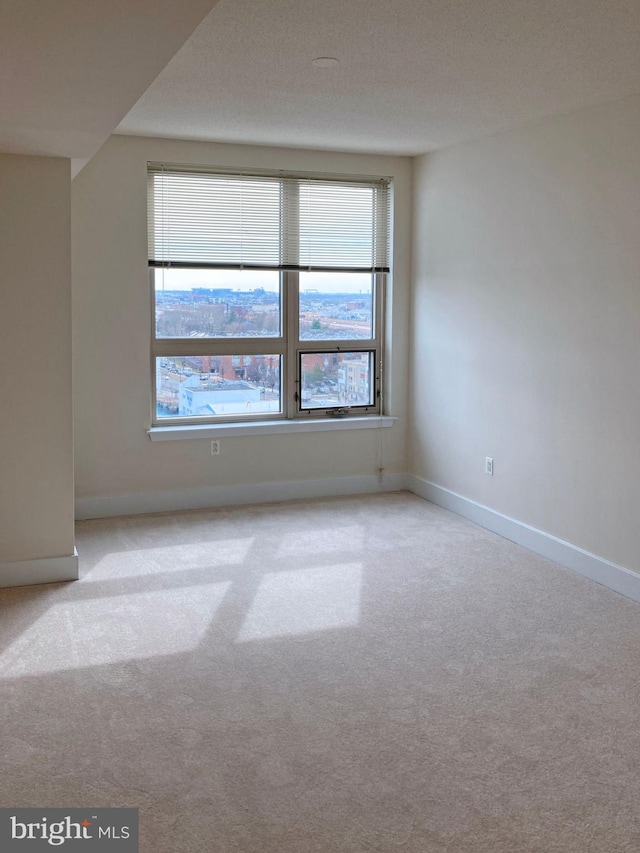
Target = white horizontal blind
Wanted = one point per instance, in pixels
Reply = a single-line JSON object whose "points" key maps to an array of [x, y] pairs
{"points": [[340, 226], [210, 220], [213, 220]]}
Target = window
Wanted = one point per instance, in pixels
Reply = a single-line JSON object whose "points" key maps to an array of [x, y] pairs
{"points": [[268, 294]]}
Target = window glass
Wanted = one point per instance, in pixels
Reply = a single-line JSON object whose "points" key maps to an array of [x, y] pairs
{"points": [[217, 385], [335, 306], [336, 379], [193, 303]]}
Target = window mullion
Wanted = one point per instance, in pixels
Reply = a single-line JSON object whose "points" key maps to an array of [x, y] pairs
{"points": [[290, 255], [291, 333], [219, 346]]}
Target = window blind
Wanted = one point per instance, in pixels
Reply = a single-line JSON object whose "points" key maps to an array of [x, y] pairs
{"points": [[211, 220]]}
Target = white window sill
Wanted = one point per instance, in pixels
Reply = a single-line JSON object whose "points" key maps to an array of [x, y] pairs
{"points": [[180, 433]]}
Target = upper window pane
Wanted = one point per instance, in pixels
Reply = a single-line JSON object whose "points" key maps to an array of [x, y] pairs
{"points": [[335, 306], [217, 303]]}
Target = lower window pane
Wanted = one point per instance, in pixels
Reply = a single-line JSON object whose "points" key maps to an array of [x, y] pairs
{"points": [[334, 379], [212, 386]]}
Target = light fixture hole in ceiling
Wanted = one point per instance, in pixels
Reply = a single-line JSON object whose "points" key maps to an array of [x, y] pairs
{"points": [[325, 62]]}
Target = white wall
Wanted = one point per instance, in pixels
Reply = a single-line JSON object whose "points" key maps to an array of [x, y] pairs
{"points": [[526, 326], [36, 451], [111, 310]]}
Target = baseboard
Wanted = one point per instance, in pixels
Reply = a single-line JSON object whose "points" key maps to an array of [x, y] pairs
{"points": [[596, 568], [235, 495], [46, 570]]}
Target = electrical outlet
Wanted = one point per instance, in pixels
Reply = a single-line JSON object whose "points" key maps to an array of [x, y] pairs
{"points": [[488, 465], [215, 447]]}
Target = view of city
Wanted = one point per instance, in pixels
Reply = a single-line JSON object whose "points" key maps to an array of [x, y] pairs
{"points": [[332, 306], [248, 305], [196, 386]]}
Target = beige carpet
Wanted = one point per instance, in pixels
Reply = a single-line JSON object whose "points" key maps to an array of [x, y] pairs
{"points": [[354, 674]]}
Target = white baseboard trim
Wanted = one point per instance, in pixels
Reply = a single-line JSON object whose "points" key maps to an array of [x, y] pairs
{"points": [[46, 570], [596, 568], [235, 495]]}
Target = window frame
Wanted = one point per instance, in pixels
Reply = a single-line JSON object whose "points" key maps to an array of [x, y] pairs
{"points": [[288, 345], [373, 344]]}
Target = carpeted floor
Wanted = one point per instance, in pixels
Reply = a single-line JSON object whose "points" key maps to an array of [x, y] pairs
{"points": [[353, 675]]}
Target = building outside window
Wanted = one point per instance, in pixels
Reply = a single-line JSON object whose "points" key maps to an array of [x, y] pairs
{"points": [[268, 294]]}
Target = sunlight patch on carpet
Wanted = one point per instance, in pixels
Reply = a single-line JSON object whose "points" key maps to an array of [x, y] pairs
{"points": [[171, 558], [101, 631], [304, 601]]}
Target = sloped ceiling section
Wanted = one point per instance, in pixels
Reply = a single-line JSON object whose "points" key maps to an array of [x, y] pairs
{"points": [[70, 70]]}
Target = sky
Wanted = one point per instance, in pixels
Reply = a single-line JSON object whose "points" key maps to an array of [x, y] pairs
{"points": [[176, 279]]}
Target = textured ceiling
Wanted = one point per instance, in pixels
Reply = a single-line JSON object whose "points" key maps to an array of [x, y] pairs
{"points": [[414, 75]]}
